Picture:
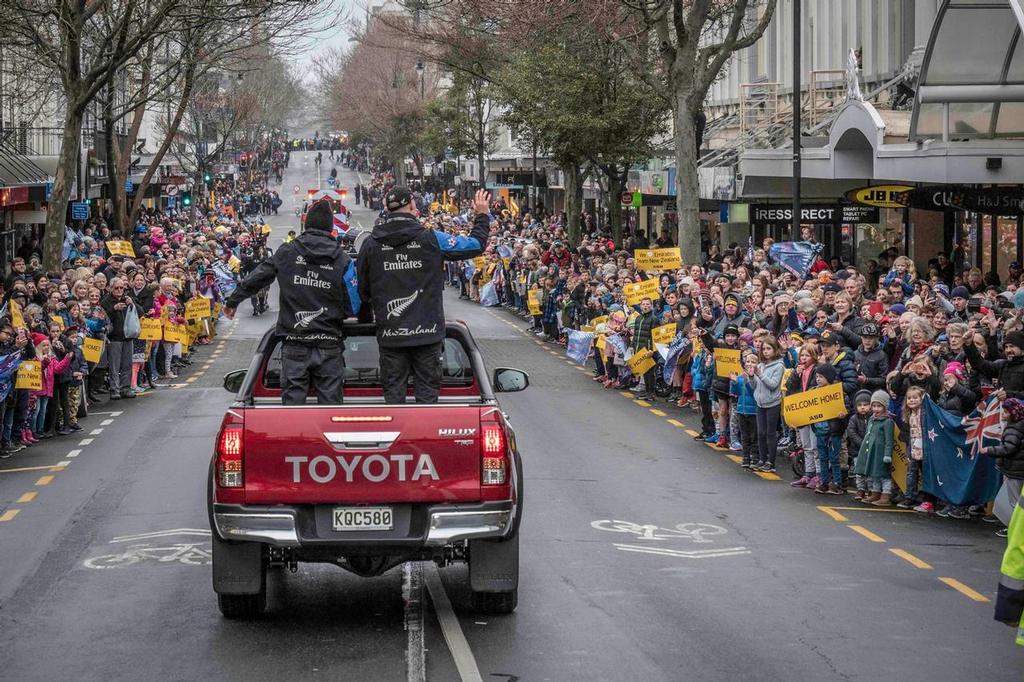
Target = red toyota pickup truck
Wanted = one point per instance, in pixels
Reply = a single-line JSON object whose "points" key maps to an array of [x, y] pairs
{"points": [[364, 485]]}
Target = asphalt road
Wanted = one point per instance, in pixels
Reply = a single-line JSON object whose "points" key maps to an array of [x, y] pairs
{"points": [[645, 556]]}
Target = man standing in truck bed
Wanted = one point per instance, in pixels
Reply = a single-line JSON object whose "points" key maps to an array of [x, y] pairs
{"points": [[401, 273]]}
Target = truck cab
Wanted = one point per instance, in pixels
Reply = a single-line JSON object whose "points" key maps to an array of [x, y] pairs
{"points": [[367, 485]]}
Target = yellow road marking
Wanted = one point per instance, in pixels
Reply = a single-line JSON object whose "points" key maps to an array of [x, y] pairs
{"points": [[868, 507], [832, 512], [768, 476], [58, 468], [735, 458], [866, 533], [964, 590], [27, 497], [9, 514], [658, 413], [642, 403], [40, 468], [910, 558], [676, 422], [626, 394], [44, 480], [190, 380], [582, 369]]}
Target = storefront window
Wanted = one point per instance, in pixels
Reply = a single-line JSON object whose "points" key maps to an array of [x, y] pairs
{"points": [[986, 243], [871, 240], [1007, 235]]}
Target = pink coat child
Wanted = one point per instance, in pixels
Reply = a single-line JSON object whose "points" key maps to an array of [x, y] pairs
{"points": [[51, 368]]}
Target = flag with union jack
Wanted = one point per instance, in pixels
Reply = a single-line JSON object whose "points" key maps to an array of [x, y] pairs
{"points": [[954, 468]]}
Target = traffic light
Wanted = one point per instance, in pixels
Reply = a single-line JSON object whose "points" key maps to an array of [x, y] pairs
{"points": [[186, 199], [208, 179]]}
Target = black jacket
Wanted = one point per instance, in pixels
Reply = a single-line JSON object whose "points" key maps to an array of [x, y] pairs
{"points": [[401, 275], [960, 400], [856, 429], [117, 316], [317, 282], [1009, 453], [874, 365], [1009, 372]]}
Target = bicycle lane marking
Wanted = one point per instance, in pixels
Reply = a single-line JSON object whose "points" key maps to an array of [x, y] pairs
{"points": [[192, 551]]}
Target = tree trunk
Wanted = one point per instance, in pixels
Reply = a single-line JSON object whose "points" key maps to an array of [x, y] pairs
{"points": [[53, 237], [172, 131], [398, 168], [573, 201], [616, 186], [687, 185], [111, 162]]}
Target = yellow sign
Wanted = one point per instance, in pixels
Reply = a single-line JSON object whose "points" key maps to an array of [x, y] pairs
{"points": [[882, 196], [58, 320], [197, 308], [17, 319], [30, 376], [727, 361], [586, 328], [151, 330], [533, 301], [217, 307], [642, 362], [664, 333], [121, 248], [92, 350], [603, 319], [175, 333], [479, 263], [815, 405], [600, 342], [640, 290], [658, 259], [899, 460]]}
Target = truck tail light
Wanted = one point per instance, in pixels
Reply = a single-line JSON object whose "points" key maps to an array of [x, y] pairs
{"points": [[229, 461], [494, 462], [229, 457]]}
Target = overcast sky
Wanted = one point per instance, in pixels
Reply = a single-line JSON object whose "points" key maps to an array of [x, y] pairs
{"points": [[336, 37]]}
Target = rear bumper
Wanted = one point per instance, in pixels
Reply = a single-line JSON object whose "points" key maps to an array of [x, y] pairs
{"points": [[425, 525]]}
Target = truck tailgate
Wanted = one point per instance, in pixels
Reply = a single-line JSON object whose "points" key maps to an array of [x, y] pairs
{"points": [[315, 455]]}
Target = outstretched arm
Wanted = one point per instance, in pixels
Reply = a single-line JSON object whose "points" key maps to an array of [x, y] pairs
{"points": [[455, 247]]}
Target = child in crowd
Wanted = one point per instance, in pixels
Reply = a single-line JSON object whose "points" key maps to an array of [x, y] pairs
{"points": [[855, 430], [51, 367], [741, 389], [802, 380], [720, 385], [768, 395], [912, 432], [701, 368], [904, 273], [874, 481], [828, 436]]}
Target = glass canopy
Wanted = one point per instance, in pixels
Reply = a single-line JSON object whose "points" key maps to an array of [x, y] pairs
{"points": [[972, 75]]}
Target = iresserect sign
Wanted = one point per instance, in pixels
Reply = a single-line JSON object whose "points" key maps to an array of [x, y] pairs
{"points": [[658, 259], [824, 214], [816, 405]]}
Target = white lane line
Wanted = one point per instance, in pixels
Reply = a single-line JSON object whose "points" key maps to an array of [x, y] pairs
{"points": [[106, 422], [453, 635], [85, 441], [95, 432], [63, 463], [74, 453], [412, 595], [112, 414]]}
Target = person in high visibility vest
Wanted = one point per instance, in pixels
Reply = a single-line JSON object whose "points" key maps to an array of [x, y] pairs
{"points": [[290, 237], [1009, 456]]}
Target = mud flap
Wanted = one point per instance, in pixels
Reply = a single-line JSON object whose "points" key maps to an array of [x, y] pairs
{"points": [[494, 565], [238, 567]]}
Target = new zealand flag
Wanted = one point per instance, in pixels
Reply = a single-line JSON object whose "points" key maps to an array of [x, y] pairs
{"points": [[954, 468], [797, 257], [578, 346], [8, 366]]}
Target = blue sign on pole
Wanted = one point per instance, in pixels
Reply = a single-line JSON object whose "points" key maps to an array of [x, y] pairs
{"points": [[129, 186], [172, 202], [49, 190], [79, 210]]}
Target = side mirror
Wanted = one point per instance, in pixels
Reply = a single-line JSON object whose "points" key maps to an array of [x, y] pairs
{"points": [[233, 380], [508, 380]]}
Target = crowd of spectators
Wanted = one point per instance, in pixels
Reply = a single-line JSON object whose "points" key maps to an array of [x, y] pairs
{"points": [[89, 325]]}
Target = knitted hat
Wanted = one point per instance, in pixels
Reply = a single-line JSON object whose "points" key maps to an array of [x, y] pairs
{"points": [[320, 217], [827, 371], [863, 396], [880, 397], [1014, 339], [1014, 408], [956, 369], [960, 292]]}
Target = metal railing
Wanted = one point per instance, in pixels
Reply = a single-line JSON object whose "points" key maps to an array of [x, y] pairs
{"points": [[33, 141]]}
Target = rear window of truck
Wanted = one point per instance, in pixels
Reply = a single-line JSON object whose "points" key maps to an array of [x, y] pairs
{"points": [[362, 364]]}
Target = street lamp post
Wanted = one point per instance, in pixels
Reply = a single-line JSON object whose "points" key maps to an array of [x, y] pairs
{"points": [[797, 78], [420, 69]]}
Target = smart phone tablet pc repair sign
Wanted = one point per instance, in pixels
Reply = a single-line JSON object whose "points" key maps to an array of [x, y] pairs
{"points": [[816, 405]]}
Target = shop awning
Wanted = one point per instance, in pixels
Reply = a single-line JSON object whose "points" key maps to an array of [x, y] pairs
{"points": [[972, 75], [17, 170]]}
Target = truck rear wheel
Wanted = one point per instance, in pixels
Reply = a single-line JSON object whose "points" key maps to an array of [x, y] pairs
{"points": [[243, 606]]}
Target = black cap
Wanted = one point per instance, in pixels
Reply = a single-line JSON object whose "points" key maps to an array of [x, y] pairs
{"points": [[397, 198], [320, 217], [731, 329], [828, 338], [869, 329]]}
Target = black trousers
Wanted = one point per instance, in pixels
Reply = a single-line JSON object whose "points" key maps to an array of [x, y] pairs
{"points": [[425, 364], [302, 365]]}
